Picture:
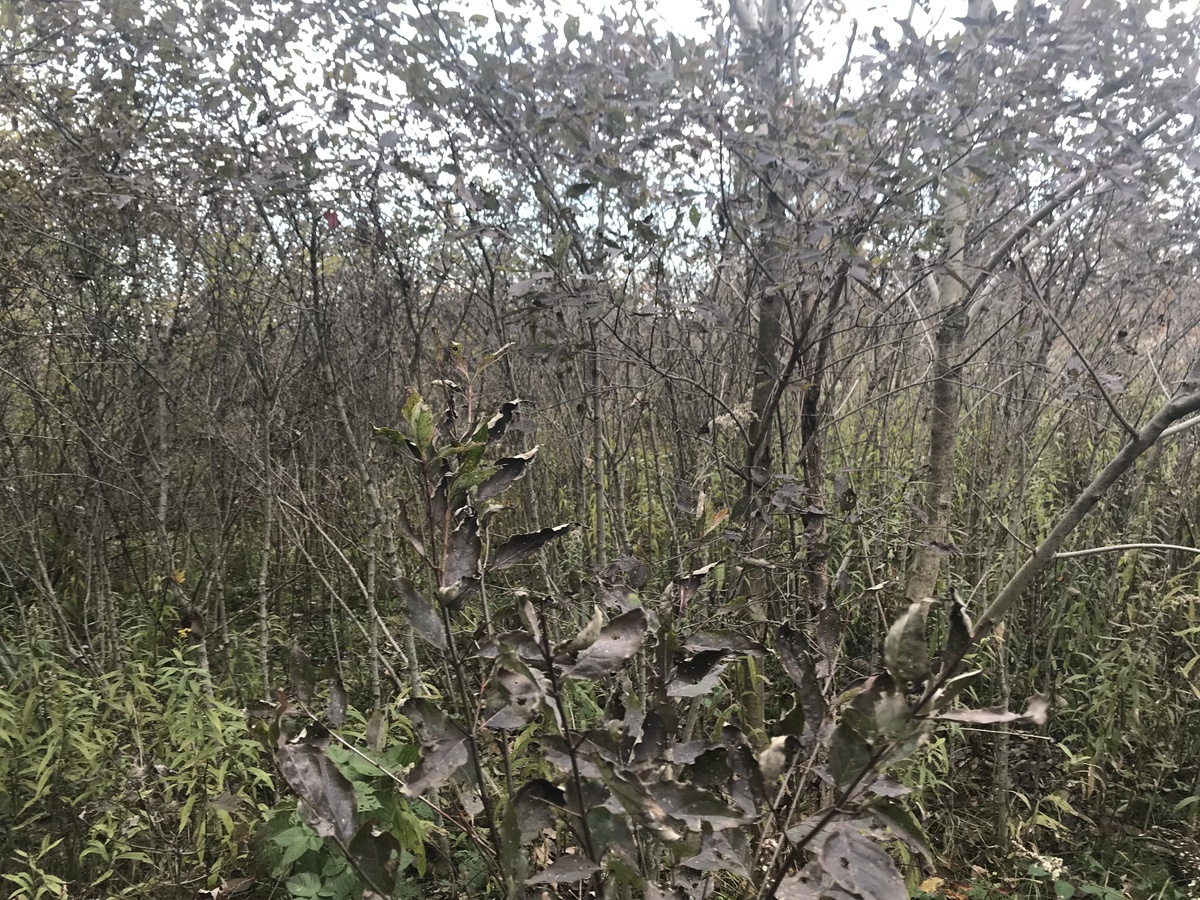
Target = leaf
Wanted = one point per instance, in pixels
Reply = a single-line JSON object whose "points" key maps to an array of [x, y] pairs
{"points": [[499, 423], [697, 676], [804, 885], [729, 641], [848, 755], [721, 851], [327, 797], [424, 618], [958, 637], [372, 850], [879, 710], [860, 866], [463, 549], [904, 825], [443, 746], [687, 585], [537, 803], [508, 471], [377, 730], [571, 28], [514, 692], [566, 870], [520, 546], [586, 636], [513, 863], [618, 641], [1035, 714], [695, 806], [302, 676], [797, 663], [338, 701], [905, 651], [420, 423], [577, 190], [955, 686], [610, 832], [395, 437]]}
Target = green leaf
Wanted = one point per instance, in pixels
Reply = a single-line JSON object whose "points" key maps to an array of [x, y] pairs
{"points": [[395, 437], [420, 423], [304, 884]]}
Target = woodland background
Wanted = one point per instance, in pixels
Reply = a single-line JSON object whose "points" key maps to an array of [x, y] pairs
{"points": [[794, 351]]}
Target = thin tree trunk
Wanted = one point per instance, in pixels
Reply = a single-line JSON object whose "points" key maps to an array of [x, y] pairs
{"points": [[264, 559]]}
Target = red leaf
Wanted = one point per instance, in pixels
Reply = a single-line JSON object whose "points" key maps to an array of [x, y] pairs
{"points": [[331, 219]]}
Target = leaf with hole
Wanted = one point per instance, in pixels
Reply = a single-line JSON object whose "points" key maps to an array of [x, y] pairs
{"points": [[698, 675], [616, 644], [860, 866], [514, 694]]}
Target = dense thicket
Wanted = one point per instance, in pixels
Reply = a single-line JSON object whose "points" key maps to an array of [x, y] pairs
{"points": [[794, 352]]}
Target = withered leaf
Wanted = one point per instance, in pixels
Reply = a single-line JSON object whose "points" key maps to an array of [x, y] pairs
{"points": [[618, 641], [327, 797], [520, 546]]}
